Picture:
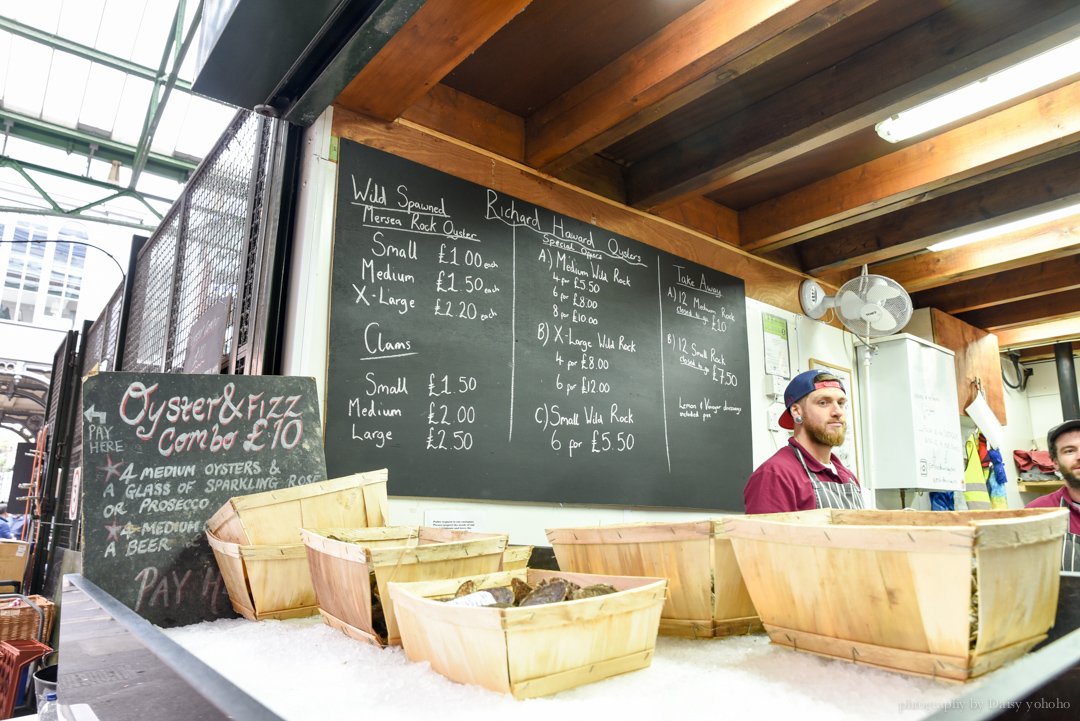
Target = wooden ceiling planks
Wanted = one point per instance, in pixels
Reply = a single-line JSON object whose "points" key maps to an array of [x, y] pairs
{"points": [[433, 42], [952, 159], [1029, 281], [750, 123], [705, 48]]}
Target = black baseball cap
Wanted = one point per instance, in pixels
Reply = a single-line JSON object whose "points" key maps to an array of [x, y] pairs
{"points": [[1052, 435]]}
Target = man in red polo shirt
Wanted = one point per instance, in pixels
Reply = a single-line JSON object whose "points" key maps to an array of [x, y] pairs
{"points": [[1063, 442], [805, 473]]}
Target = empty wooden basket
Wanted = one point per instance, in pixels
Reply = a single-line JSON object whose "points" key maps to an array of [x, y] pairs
{"points": [[270, 581], [536, 650], [345, 563], [275, 517], [516, 557], [256, 540], [943, 594], [706, 593]]}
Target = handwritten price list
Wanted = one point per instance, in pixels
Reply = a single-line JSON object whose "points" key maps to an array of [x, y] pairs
{"points": [[484, 347]]}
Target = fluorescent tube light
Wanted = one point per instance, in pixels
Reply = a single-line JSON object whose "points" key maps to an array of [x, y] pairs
{"points": [[1004, 228], [1028, 75]]}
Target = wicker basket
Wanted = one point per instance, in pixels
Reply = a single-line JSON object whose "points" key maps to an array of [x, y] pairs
{"points": [[943, 594], [345, 562], [533, 651], [706, 594], [276, 517], [21, 620]]}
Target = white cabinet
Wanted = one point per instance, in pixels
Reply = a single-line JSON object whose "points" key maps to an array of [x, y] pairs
{"points": [[913, 439]]}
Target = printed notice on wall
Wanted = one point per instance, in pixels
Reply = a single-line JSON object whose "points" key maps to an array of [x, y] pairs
{"points": [[161, 453], [777, 358]]}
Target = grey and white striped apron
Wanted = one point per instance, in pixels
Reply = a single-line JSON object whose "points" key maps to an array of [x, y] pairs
{"points": [[1070, 550], [828, 494]]}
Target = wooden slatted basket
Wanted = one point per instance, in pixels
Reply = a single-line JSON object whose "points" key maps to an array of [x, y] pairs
{"points": [[706, 594], [261, 556], [270, 581], [350, 570], [276, 517], [536, 650], [949, 595], [516, 557]]}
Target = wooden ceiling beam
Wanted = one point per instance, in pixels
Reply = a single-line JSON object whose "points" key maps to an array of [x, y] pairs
{"points": [[1055, 306], [1042, 352], [955, 159], [1014, 250], [433, 42], [767, 282], [1036, 334], [466, 118], [937, 54], [1031, 281], [710, 218], [1036, 189], [704, 49]]}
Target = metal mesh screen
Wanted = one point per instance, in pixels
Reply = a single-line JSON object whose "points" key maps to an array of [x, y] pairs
{"points": [[112, 337], [217, 213], [100, 341], [58, 446], [208, 249], [148, 318], [251, 260]]}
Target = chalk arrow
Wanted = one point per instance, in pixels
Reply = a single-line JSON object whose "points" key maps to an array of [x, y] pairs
{"points": [[91, 414], [360, 294]]}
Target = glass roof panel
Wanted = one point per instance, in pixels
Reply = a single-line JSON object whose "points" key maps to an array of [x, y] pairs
{"points": [[100, 102], [153, 34], [5, 54], [43, 14], [85, 98], [27, 76], [120, 27], [171, 123], [64, 95], [132, 104], [80, 21], [196, 138]]}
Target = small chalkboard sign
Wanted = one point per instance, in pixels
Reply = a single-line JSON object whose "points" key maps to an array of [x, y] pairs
{"points": [[161, 453]]}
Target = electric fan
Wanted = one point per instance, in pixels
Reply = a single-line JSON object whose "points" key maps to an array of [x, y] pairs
{"points": [[868, 305]]}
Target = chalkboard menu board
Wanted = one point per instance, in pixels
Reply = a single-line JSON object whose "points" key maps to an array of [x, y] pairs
{"points": [[485, 348], [161, 453]]}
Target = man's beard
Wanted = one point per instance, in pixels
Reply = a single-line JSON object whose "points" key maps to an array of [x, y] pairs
{"points": [[831, 438], [1071, 479]]}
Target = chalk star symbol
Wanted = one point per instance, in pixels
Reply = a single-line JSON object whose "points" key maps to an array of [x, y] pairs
{"points": [[114, 529], [111, 469]]}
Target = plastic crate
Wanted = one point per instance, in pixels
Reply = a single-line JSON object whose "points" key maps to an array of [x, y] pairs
{"points": [[15, 655]]}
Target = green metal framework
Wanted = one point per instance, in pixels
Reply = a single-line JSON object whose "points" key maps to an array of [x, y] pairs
{"points": [[139, 158]]}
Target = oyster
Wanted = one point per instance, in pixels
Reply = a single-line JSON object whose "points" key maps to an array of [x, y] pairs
{"points": [[553, 591], [502, 595], [598, 589], [465, 589], [521, 590]]}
